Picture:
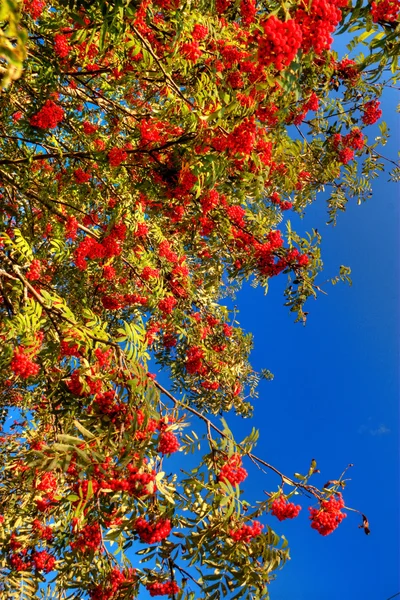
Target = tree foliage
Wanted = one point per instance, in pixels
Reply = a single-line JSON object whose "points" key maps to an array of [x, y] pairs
{"points": [[151, 152]]}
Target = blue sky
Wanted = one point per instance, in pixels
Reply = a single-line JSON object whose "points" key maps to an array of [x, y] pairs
{"points": [[335, 398]]}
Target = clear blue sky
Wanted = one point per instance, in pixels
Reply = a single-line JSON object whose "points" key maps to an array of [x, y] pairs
{"points": [[335, 397]]}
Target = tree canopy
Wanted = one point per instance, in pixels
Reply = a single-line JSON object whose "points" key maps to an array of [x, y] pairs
{"points": [[152, 153]]}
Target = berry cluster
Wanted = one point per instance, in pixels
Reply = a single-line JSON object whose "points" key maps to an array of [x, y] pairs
{"points": [[112, 587], [48, 117], [347, 70], [82, 176], [35, 268], [329, 516], [233, 471], [22, 364], [165, 251], [282, 509], [236, 214], [210, 385], [167, 588], [61, 46], [151, 533], [116, 156], [280, 43], [92, 249], [345, 145], [47, 482], [167, 305], [149, 273], [318, 24], [89, 539], [191, 51], [246, 532], [34, 8], [248, 11], [200, 32], [71, 227], [241, 140], [267, 114], [43, 561], [372, 112], [283, 204], [168, 443], [194, 360], [385, 11], [89, 128], [141, 230], [44, 532]]}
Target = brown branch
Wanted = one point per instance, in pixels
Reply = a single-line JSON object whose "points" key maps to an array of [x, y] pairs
{"points": [[168, 77], [210, 424]]}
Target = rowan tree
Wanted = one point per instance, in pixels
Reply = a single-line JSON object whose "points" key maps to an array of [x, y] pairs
{"points": [[151, 155]]}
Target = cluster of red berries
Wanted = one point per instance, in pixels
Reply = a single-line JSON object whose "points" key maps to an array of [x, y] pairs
{"points": [[280, 42], [165, 251], [246, 532], [149, 273], [115, 580], [44, 532], [48, 117], [372, 112], [282, 509], [242, 140], [47, 482], [167, 305], [265, 253], [118, 301], [236, 214], [43, 561], [248, 11], [92, 249], [329, 516], [107, 403], [19, 563], [103, 357], [71, 228], [89, 539], [168, 443], [82, 176], [116, 156], [35, 268], [34, 8], [222, 5], [200, 32], [345, 145], [191, 51], [233, 471], [22, 364], [109, 272], [194, 360], [385, 11], [136, 482], [347, 69], [89, 128], [283, 204], [210, 385], [154, 532], [61, 45], [318, 24], [167, 588], [141, 230]]}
